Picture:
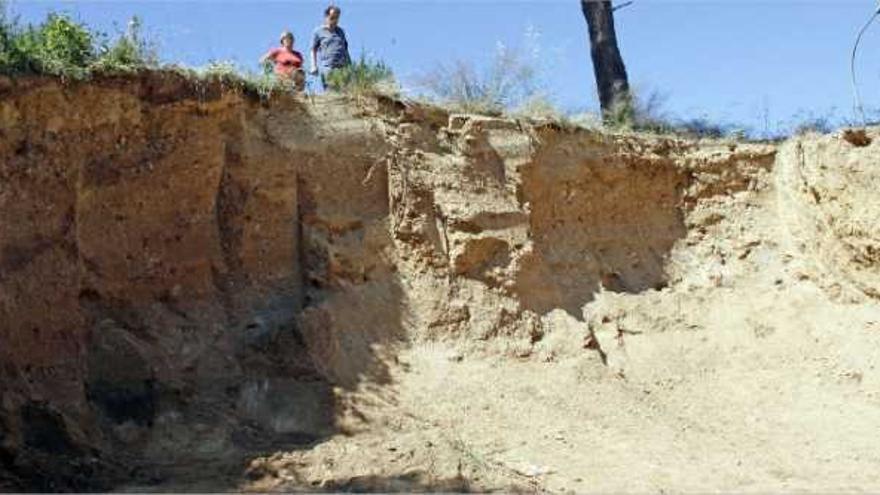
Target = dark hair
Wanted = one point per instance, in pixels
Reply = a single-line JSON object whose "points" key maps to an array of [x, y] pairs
{"points": [[331, 8]]}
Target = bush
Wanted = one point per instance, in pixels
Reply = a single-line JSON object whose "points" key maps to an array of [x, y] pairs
{"points": [[639, 111], [626, 112], [363, 76], [17, 48], [66, 45], [63, 47], [509, 82], [59, 46], [130, 51], [7, 54], [644, 112]]}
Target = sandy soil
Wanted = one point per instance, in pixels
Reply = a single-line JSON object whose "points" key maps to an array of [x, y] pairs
{"points": [[202, 292], [746, 374]]}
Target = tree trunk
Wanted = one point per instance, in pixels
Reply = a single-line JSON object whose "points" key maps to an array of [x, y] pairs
{"points": [[611, 79]]}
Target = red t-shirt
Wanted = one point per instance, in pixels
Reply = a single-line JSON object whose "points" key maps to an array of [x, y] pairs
{"points": [[286, 61]]}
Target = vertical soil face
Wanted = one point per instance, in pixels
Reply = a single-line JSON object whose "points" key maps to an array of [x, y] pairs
{"points": [[189, 278], [600, 220], [828, 198], [151, 266]]}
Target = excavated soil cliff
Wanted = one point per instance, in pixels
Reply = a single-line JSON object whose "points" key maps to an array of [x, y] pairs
{"points": [[200, 290]]}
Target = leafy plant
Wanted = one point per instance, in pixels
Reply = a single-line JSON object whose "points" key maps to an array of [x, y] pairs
{"points": [[18, 48], [64, 47], [130, 51], [7, 35], [59, 46]]}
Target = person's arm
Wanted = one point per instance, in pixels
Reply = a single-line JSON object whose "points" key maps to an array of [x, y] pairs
{"points": [[316, 42], [314, 67], [270, 55], [345, 40]]}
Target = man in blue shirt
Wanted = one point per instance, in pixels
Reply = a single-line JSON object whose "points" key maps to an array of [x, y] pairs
{"points": [[329, 45]]}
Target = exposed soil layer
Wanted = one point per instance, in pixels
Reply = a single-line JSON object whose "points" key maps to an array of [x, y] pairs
{"points": [[203, 291]]}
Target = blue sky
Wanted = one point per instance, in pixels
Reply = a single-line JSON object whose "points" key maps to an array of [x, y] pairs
{"points": [[761, 64]]}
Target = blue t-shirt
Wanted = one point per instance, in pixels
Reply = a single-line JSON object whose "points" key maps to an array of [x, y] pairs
{"points": [[332, 48]]}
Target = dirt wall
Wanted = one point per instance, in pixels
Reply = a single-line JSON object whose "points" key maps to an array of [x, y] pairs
{"points": [[191, 275]]}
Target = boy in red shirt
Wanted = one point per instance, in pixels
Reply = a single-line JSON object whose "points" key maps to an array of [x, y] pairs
{"points": [[288, 62]]}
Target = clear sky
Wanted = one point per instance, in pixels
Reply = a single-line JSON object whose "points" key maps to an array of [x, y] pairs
{"points": [[757, 63]]}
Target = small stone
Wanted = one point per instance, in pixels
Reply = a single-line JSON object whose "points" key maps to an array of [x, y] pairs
{"points": [[856, 137], [533, 471]]}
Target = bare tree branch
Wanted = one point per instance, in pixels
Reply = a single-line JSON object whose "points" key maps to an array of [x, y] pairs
{"points": [[624, 4]]}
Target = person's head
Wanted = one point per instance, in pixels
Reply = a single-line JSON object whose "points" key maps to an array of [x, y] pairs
{"points": [[286, 39], [331, 15]]}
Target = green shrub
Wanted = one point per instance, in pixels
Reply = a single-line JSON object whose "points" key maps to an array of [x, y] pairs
{"points": [[643, 112], [59, 46], [363, 76], [6, 46], [130, 51], [63, 47], [626, 113], [14, 44]]}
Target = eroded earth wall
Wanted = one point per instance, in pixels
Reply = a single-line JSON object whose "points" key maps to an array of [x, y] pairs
{"points": [[153, 250], [187, 272]]}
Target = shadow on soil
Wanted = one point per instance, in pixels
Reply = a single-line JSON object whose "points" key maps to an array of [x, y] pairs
{"points": [[180, 394], [599, 221]]}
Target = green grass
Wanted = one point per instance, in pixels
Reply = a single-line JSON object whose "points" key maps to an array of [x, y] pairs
{"points": [[263, 85], [361, 77]]}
